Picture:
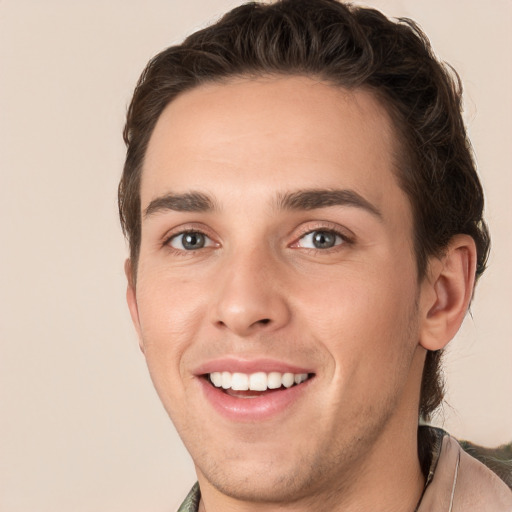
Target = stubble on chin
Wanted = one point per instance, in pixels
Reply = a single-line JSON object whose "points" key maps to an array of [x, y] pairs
{"points": [[319, 474]]}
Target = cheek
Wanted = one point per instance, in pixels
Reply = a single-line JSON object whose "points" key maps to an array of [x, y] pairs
{"points": [[364, 317], [170, 313], [166, 303]]}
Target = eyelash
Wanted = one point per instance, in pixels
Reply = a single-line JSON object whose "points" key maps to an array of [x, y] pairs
{"points": [[345, 239], [184, 252], [323, 228]]}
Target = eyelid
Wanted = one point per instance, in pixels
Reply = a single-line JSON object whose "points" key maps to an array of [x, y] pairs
{"points": [[188, 228], [310, 227], [306, 228], [338, 240], [208, 241]]}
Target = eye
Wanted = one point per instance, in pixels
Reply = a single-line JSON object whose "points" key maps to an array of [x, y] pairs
{"points": [[320, 239], [190, 241]]}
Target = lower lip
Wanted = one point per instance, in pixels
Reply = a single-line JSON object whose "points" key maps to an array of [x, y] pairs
{"points": [[258, 408]]}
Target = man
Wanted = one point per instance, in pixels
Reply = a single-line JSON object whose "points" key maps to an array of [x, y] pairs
{"points": [[305, 227]]}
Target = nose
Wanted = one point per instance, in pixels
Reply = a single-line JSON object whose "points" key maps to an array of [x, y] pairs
{"points": [[250, 298]]}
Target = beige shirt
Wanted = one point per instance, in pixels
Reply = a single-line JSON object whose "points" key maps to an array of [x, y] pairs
{"points": [[460, 483]]}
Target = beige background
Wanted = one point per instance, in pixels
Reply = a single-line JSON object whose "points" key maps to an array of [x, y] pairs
{"points": [[81, 428]]}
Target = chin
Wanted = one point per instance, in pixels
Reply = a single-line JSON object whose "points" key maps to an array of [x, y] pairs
{"points": [[276, 474], [260, 482]]}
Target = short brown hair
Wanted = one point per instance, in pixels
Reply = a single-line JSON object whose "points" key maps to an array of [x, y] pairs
{"points": [[350, 47]]}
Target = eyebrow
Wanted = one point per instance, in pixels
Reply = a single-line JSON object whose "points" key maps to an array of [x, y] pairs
{"points": [[189, 202], [309, 199], [312, 199]]}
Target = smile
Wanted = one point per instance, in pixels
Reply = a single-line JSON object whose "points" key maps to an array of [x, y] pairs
{"points": [[240, 402], [258, 381], [242, 390]]}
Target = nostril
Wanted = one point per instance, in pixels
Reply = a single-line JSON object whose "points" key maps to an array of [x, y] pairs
{"points": [[264, 321]]}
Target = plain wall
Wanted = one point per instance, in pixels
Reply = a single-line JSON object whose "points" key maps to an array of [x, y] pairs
{"points": [[81, 428]]}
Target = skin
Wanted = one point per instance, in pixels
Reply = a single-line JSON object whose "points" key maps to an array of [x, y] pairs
{"points": [[355, 314]]}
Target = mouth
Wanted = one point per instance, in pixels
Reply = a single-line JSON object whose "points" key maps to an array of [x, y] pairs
{"points": [[254, 385], [255, 390]]}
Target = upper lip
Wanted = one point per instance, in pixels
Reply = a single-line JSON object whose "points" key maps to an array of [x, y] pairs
{"points": [[233, 364]]}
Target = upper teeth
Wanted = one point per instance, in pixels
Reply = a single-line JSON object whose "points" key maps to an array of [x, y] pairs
{"points": [[259, 381]]}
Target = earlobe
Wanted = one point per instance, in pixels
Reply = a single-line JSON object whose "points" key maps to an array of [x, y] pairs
{"points": [[131, 299], [447, 291]]}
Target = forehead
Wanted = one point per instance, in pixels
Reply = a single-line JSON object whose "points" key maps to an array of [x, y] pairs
{"points": [[272, 134]]}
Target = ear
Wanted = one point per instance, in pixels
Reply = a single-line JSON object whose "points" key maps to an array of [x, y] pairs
{"points": [[446, 292], [131, 299]]}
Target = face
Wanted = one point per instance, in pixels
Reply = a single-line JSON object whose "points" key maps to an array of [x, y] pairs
{"points": [[276, 297]]}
